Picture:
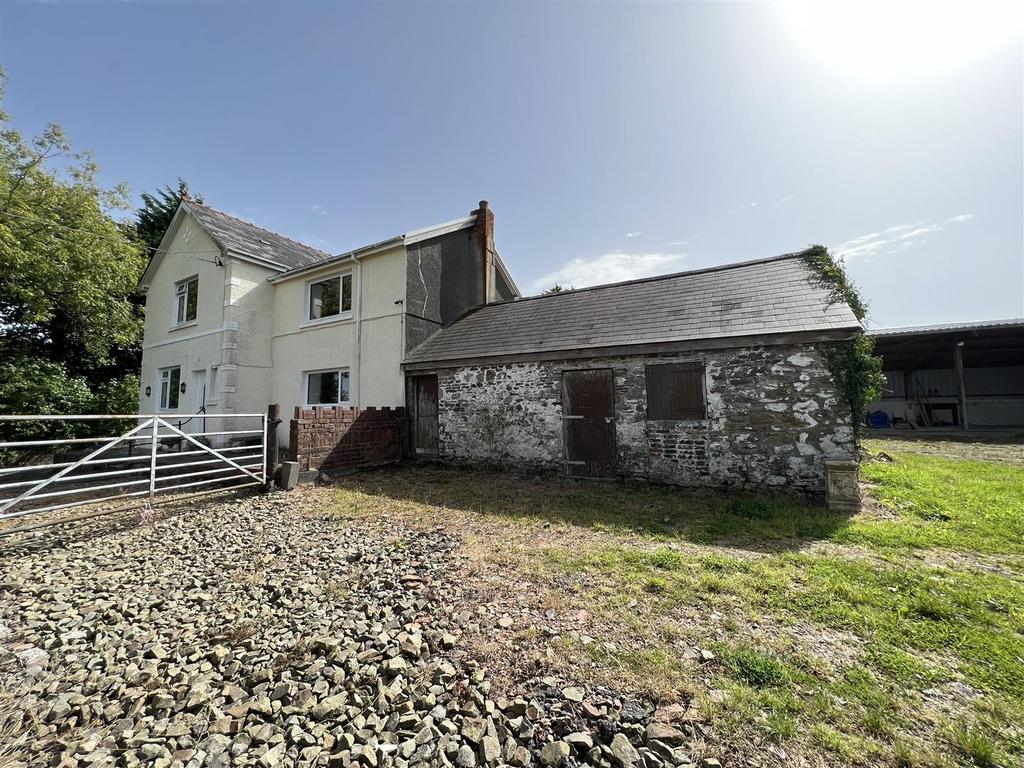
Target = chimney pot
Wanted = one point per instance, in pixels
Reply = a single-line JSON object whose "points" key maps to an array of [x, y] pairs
{"points": [[483, 205]]}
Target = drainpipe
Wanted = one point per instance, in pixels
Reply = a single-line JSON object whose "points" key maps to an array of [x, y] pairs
{"points": [[357, 399]]}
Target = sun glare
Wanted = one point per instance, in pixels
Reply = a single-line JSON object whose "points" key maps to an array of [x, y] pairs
{"points": [[902, 40]]}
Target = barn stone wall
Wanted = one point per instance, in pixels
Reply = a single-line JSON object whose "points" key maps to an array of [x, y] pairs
{"points": [[773, 417]]}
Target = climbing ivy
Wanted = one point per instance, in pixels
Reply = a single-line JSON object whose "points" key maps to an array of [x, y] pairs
{"points": [[857, 371]]}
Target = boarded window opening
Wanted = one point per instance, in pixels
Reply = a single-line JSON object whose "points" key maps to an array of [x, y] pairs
{"points": [[676, 391]]}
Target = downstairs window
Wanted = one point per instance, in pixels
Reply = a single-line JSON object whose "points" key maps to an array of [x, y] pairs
{"points": [[327, 387]]}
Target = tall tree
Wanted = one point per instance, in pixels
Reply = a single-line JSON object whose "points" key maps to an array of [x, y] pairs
{"points": [[68, 270], [154, 217]]}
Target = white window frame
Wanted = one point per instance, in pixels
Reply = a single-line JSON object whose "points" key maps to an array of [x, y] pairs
{"points": [[340, 370], [343, 314], [160, 388], [178, 308]]}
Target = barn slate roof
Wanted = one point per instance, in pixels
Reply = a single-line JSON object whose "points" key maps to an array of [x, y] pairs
{"points": [[754, 298], [244, 238]]}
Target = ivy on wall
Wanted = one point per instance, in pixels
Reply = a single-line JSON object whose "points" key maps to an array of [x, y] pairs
{"points": [[855, 368]]}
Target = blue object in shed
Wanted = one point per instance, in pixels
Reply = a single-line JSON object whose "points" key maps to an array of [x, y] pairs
{"points": [[878, 419]]}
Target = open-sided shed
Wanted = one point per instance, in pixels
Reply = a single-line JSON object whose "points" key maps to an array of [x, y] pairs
{"points": [[960, 374]]}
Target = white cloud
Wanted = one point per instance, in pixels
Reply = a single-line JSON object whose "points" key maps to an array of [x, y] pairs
{"points": [[962, 217], [741, 206], [317, 208], [920, 231], [633, 234], [884, 241], [610, 268]]}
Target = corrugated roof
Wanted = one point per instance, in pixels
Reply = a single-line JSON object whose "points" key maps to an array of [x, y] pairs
{"points": [[767, 296], [979, 326], [234, 234]]}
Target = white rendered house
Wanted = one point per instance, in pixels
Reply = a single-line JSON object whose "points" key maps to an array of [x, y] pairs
{"points": [[238, 317]]}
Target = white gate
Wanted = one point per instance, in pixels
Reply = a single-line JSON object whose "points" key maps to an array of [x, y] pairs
{"points": [[153, 458]]}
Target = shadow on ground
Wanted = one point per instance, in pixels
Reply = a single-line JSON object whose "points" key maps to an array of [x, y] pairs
{"points": [[757, 522]]}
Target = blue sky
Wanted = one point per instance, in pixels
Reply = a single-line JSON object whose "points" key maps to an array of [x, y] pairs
{"points": [[613, 141]]}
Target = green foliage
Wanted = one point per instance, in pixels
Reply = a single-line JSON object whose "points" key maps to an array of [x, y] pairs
{"points": [[39, 386], [154, 217], [749, 507], [754, 667], [971, 742], [855, 368], [68, 272], [857, 372], [830, 275], [556, 288], [118, 395], [34, 385]]}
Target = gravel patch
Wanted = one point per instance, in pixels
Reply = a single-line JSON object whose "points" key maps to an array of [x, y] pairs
{"points": [[265, 632], [1007, 450]]}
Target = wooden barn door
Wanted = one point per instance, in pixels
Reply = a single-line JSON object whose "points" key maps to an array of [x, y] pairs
{"points": [[588, 416], [424, 415]]}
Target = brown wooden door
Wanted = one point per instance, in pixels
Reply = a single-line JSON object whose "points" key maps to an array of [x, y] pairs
{"points": [[588, 416], [425, 414]]}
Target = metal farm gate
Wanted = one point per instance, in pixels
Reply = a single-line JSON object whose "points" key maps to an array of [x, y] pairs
{"points": [[154, 458]]}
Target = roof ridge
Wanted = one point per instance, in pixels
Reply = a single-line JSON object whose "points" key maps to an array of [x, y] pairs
{"points": [[256, 226], [653, 278]]}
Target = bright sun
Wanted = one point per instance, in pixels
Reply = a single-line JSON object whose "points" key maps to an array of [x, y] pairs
{"points": [[901, 40]]}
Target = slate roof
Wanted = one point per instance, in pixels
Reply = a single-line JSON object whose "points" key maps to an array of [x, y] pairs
{"points": [[240, 236], [767, 296]]}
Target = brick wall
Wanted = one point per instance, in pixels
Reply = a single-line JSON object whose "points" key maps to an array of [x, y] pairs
{"points": [[344, 438]]}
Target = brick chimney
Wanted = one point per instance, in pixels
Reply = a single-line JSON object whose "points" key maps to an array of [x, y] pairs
{"points": [[483, 234]]}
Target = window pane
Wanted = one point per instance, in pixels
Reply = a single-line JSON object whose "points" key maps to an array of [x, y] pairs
{"points": [[344, 388], [172, 395], [192, 300], [323, 388], [346, 293], [163, 394], [323, 298]]}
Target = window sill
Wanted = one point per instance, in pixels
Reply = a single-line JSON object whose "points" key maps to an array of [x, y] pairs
{"points": [[179, 326], [327, 405], [333, 319]]}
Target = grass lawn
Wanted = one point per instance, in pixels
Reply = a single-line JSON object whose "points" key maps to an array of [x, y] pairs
{"points": [[895, 637]]}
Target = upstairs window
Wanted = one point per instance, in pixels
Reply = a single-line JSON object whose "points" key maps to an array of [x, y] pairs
{"points": [[186, 294], [170, 382], [327, 387], [329, 298], [676, 391]]}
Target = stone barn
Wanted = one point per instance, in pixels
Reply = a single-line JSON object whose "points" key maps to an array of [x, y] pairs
{"points": [[714, 377]]}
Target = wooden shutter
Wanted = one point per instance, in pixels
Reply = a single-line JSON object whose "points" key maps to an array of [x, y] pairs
{"points": [[676, 391]]}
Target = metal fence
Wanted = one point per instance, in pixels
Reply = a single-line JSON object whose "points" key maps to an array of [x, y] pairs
{"points": [[153, 458]]}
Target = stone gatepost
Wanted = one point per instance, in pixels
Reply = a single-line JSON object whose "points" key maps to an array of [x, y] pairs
{"points": [[841, 487]]}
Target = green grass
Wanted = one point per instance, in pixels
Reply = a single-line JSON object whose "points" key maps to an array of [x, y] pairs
{"points": [[938, 503], [968, 505], [894, 628]]}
